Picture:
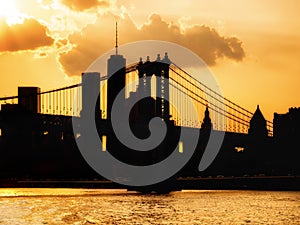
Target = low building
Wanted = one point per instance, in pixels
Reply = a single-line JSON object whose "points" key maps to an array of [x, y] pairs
{"points": [[29, 98], [287, 125]]}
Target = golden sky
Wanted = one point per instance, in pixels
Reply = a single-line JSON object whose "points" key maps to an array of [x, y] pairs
{"points": [[251, 46]]}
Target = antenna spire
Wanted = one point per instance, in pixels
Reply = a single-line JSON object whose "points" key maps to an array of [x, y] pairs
{"points": [[116, 38]]}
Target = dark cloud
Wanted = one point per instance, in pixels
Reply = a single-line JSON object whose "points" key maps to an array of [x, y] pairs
{"points": [[40, 55], [61, 43], [80, 5], [98, 38], [26, 36], [43, 54]]}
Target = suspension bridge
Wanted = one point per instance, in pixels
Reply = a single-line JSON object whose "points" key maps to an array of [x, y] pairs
{"points": [[180, 86], [37, 124]]}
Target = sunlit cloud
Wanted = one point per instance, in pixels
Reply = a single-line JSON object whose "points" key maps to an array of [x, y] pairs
{"points": [[61, 43], [60, 19], [10, 12], [91, 42], [29, 35], [80, 5]]}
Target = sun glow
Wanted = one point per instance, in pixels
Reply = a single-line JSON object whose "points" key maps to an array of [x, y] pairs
{"points": [[9, 11]]}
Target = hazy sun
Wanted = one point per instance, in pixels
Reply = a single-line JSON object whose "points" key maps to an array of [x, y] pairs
{"points": [[9, 11]]}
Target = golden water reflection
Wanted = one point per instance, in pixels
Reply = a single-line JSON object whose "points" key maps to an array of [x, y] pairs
{"points": [[99, 206]]}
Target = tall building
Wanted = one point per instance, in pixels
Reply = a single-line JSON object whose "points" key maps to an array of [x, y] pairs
{"points": [[116, 73], [29, 99], [90, 90]]}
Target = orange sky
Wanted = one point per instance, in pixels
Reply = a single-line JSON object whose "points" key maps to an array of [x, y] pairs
{"points": [[252, 47]]}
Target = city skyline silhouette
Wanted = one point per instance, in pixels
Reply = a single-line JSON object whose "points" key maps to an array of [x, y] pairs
{"points": [[255, 151], [161, 112]]}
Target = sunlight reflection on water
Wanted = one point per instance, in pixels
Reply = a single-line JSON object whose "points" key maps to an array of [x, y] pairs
{"points": [[95, 206]]}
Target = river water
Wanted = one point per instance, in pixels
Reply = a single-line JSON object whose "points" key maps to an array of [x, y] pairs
{"points": [[98, 206]]}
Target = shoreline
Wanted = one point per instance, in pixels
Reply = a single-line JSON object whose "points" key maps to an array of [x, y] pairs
{"points": [[274, 183]]}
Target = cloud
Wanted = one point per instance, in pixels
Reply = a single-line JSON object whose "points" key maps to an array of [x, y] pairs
{"points": [[61, 43], [80, 5], [29, 35], [40, 55], [98, 38]]}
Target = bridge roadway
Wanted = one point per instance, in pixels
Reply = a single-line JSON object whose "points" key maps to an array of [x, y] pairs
{"points": [[276, 183]]}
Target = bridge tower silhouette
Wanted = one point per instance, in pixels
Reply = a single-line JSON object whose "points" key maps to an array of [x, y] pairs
{"points": [[160, 70]]}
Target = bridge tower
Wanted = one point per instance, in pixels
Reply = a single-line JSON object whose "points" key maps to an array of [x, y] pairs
{"points": [[162, 87], [160, 69]]}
